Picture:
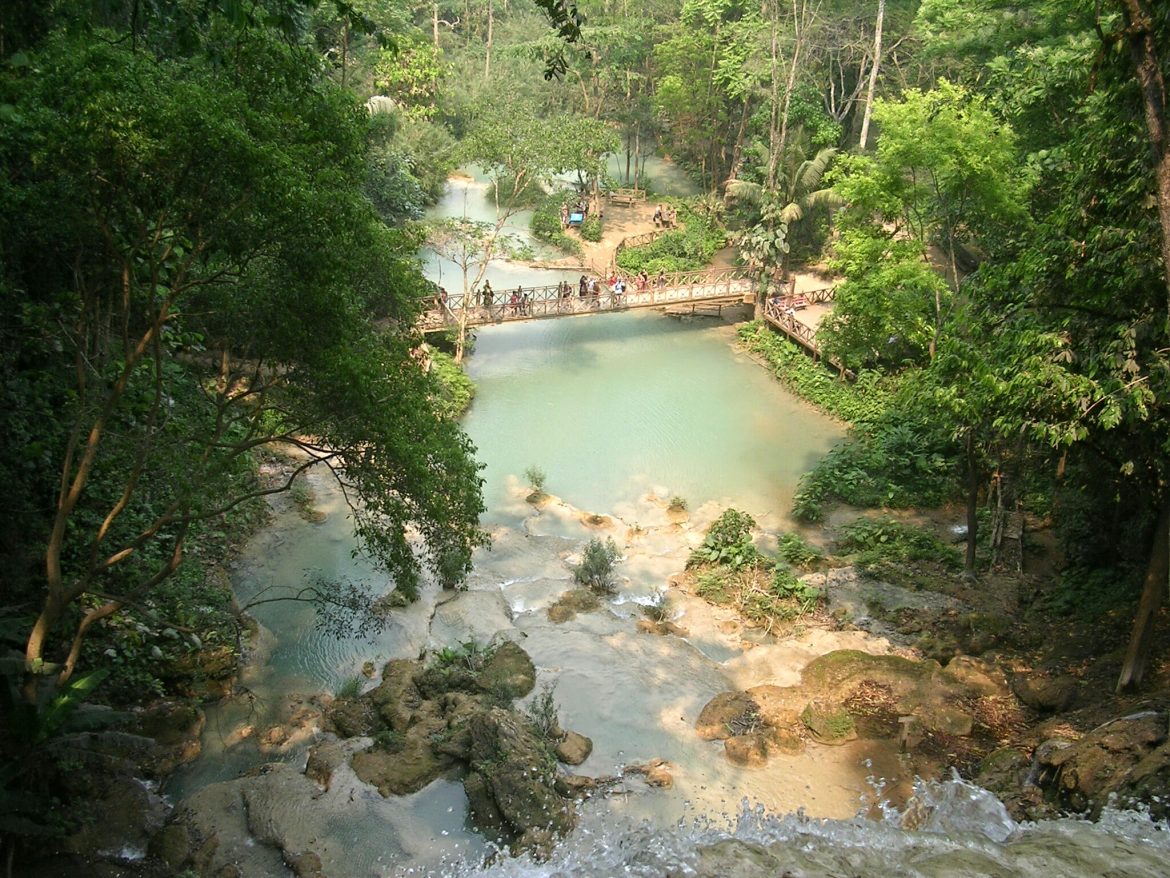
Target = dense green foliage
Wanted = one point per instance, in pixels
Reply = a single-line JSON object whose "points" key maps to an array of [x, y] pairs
{"points": [[858, 402], [887, 542], [591, 229], [458, 390], [545, 224], [174, 314], [728, 542], [687, 248]]}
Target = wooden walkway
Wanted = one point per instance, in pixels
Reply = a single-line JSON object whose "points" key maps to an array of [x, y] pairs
{"points": [[537, 303], [722, 286], [781, 313]]}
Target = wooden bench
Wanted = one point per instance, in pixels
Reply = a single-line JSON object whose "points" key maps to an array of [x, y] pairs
{"points": [[628, 197]]}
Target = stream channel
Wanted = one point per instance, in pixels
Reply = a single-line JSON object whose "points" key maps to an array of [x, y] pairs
{"points": [[621, 411]]}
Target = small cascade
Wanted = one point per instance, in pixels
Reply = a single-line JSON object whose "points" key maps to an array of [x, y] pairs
{"points": [[965, 832]]}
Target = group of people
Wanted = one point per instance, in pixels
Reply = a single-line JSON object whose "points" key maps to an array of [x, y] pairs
{"points": [[665, 216], [519, 302], [568, 210]]}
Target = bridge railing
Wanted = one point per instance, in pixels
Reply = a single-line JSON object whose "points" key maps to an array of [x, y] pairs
{"points": [[553, 300]]}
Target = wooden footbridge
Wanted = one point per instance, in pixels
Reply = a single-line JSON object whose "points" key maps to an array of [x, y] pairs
{"points": [[565, 299], [710, 286]]}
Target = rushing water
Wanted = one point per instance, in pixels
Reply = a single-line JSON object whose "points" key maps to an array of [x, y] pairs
{"points": [[621, 411]]}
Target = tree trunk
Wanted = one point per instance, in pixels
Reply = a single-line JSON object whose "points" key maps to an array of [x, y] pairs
{"points": [[800, 23], [487, 58], [435, 24], [637, 151], [1153, 592], [972, 506], [1147, 62], [873, 74], [1148, 67], [774, 116]]}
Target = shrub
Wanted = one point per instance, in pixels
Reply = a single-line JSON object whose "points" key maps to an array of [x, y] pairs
{"points": [[596, 568], [678, 504], [880, 541], [456, 389], [536, 477], [351, 687], [785, 585], [862, 401], [795, 551], [544, 713], [690, 247], [728, 542], [591, 229]]}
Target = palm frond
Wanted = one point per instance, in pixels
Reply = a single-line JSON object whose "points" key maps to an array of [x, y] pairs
{"points": [[813, 170], [823, 198], [745, 190]]}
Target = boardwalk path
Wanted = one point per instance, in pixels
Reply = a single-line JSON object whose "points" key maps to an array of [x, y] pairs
{"points": [[534, 303]]}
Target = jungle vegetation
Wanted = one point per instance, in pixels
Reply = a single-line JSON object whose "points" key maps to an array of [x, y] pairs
{"points": [[207, 254]]}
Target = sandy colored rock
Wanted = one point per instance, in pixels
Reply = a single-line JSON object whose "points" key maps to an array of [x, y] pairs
{"points": [[657, 772], [947, 718], [305, 865], [352, 717], [324, 759], [747, 750], [568, 605], [575, 786], [778, 706], [784, 741], [511, 787], [574, 748], [977, 675], [1128, 757], [508, 673], [720, 716]]}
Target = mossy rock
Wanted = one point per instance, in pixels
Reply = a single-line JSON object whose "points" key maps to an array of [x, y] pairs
{"points": [[509, 673], [568, 605], [353, 717], [406, 770], [833, 669], [828, 723]]}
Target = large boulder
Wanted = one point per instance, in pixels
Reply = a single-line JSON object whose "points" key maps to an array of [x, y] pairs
{"points": [[1045, 693], [511, 787], [828, 722], [1128, 758], [403, 766], [508, 673], [726, 715], [573, 748]]}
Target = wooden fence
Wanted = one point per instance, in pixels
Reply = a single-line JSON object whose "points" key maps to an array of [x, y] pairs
{"points": [[565, 299]]}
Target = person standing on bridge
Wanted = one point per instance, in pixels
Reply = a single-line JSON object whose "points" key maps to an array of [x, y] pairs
{"points": [[661, 282], [487, 295], [582, 286]]}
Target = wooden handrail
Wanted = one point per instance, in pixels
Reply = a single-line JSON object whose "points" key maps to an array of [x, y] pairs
{"points": [[550, 300]]}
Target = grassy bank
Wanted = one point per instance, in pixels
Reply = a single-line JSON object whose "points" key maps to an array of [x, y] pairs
{"points": [[861, 401]]}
